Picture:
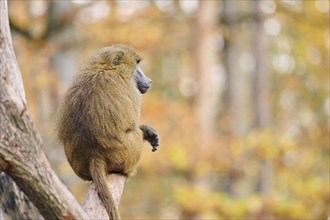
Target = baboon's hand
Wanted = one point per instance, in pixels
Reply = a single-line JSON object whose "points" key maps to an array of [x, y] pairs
{"points": [[150, 135]]}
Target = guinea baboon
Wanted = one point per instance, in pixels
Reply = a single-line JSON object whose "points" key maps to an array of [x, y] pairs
{"points": [[98, 122]]}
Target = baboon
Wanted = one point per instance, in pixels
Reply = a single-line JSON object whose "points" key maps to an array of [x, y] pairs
{"points": [[98, 122]]}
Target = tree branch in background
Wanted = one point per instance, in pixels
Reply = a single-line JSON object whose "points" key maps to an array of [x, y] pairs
{"points": [[56, 20]]}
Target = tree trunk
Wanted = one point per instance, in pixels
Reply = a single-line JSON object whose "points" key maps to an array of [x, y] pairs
{"points": [[207, 97], [238, 89], [261, 92], [206, 61], [21, 151]]}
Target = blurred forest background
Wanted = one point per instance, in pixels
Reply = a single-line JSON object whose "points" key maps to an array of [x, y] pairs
{"points": [[240, 98]]}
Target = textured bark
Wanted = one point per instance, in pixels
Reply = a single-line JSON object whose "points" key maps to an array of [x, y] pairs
{"points": [[21, 152], [13, 202]]}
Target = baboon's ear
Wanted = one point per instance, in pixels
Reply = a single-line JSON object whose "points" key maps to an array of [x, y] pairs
{"points": [[117, 58]]}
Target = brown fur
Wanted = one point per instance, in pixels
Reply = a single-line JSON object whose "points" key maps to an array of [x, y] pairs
{"points": [[98, 122]]}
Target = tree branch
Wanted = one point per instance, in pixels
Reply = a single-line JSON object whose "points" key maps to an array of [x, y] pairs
{"points": [[93, 205], [57, 19]]}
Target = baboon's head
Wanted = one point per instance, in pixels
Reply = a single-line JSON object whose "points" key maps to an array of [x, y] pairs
{"points": [[125, 61]]}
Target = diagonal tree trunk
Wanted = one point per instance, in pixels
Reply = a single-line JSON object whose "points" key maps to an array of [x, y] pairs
{"points": [[21, 151]]}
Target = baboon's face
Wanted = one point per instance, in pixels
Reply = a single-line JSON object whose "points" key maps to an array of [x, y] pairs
{"points": [[126, 59]]}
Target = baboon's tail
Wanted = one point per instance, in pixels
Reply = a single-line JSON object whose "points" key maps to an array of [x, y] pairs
{"points": [[98, 172]]}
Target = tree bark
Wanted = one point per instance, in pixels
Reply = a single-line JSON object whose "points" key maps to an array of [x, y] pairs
{"points": [[21, 151], [14, 203]]}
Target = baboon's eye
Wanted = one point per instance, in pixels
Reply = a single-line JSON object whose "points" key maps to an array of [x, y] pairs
{"points": [[138, 60]]}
